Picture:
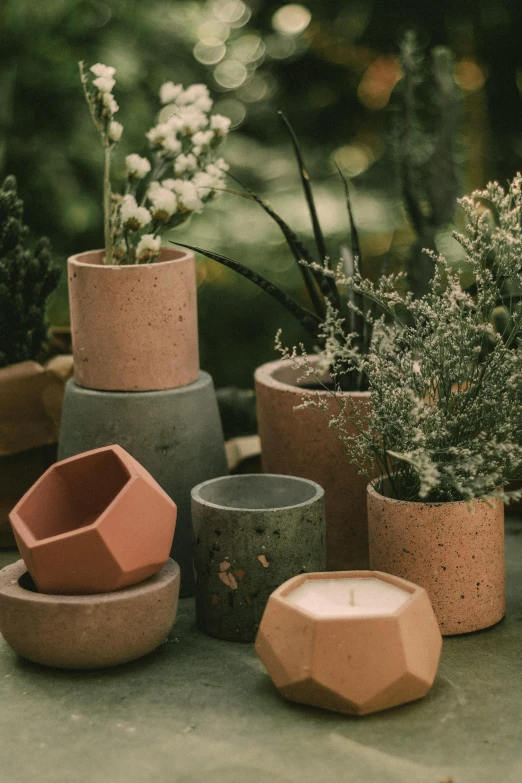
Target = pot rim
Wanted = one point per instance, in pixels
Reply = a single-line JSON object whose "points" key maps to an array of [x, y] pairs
{"points": [[264, 374], [372, 492], [10, 589], [196, 496], [281, 593], [178, 256]]}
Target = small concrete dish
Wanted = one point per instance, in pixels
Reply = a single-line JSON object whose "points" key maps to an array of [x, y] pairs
{"points": [[87, 631]]}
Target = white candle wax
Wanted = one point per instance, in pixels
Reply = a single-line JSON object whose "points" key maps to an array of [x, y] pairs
{"points": [[348, 597]]}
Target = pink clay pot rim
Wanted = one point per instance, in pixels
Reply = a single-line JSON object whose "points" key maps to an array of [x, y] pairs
{"points": [[178, 255], [373, 492], [37, 543], [280, 593], [11, 588], [264, 374]]}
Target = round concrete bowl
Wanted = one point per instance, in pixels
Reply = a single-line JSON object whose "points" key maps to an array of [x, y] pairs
{"points": [[87, 631], [253, 532], [357, 663], [94, 523]]}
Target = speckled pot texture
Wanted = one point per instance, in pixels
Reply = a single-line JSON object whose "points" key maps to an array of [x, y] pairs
{"points": [[94, 523], [253, 532], [299, 443], [356, 664], [134, 328], [457, 555], [87, 631]]}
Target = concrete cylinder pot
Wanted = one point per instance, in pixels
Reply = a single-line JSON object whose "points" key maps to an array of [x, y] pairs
{"points": [[253, 532], [134, 328], [175, 434], [455, 553], [299, 443], [87, 631], [94, 523]]}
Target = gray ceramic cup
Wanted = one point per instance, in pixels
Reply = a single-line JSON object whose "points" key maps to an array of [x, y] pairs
{"points": [[252, 532]]}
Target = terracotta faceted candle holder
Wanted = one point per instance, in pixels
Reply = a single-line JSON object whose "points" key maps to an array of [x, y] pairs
{"points": [[87, 631], [94, 523], [351, 654]]}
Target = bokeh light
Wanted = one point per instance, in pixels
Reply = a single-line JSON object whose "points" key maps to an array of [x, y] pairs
{"points": [[233, 109], [379, 79], [209, 54], [233, 12], [280, 46], [230, 74], [291, 19], [469, 75], [353, 159], [248, 48]]}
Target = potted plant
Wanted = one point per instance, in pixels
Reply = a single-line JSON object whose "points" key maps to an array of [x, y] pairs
{"points": [[31, 389], [445, 431], [133, 304], [293, 440]]}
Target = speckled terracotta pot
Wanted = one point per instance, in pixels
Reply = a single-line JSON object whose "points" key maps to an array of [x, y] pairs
{"points": [[299, 443], [253, 532], [134, 328], [94, 523], [87, 631], [353, 664], [457, 555]]}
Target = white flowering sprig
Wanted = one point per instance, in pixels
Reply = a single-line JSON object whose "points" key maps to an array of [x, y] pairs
{"points": [[98, 86], [445, 385], [182, 172]]}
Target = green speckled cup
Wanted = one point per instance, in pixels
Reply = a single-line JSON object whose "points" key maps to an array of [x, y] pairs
{"points": [[253, 532]]}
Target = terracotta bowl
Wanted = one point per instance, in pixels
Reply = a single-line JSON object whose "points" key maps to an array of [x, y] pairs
{"points": [[87, 631], [354, 664], [94, 523]]}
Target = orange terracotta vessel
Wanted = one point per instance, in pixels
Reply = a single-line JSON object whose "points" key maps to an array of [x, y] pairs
{"points": [[456, 554], [94, 523], [299, 443], [352, 664], [134, 328]]}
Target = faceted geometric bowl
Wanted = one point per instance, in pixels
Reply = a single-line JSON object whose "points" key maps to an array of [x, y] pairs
{"points": [[353, 664], [94, 523], [87, 631]]}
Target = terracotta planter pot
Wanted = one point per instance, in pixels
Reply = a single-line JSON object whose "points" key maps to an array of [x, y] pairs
{"points": [[134, 328], [455, 554], [94, 523], [253, 532], [87, 631], [354, 664], [31, 397], [299, 443]]}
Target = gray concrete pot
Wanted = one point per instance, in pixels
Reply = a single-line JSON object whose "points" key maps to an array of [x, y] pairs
{"points": [[175, 434], [253, 532]]}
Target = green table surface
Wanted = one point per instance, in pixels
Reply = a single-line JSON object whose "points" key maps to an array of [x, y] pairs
{"points": [[199, 709]]}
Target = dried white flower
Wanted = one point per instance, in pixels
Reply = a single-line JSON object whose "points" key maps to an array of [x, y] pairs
{"points": [[148, 248], [170, 91], [104, 83], [164, 202], [105, 71], [202, 138], [188, 198], [115, 131], [133, 217], [136, 166], [185, 163], [220, 124]]}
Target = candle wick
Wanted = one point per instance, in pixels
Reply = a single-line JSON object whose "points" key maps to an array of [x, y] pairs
{"points": [[352, 596]]}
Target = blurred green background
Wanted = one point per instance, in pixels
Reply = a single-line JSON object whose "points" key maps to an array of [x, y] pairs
{"points": [[332, 66]]}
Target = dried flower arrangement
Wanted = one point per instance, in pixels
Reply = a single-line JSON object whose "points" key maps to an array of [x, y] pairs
{"points": [[181, 173], [445, 383]]}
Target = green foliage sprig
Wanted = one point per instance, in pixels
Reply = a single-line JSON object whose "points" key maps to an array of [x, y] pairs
{"points": [[446, 386], [27, 277]]}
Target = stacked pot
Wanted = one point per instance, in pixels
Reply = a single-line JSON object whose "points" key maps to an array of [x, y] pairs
{"points": [[95, 587], [137, 380]]}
